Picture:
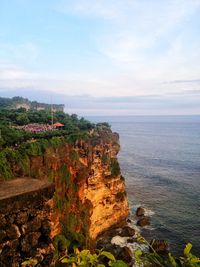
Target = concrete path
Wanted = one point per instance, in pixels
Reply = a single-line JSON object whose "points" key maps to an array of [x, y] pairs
{"points": [[20, 186]]}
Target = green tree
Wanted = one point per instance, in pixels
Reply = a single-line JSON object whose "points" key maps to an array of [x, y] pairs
{"points": [[22, 119]]}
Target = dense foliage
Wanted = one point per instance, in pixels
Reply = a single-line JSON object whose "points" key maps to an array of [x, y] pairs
{"points": [[86, 258], [17, 145], [10, 136], [83, 258], [75, 218]]}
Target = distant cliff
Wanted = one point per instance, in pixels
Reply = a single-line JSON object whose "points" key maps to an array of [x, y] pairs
{"points": [[20, 102]]}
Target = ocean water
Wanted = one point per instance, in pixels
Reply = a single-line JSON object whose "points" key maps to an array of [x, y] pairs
{"points": [[160, 159]]}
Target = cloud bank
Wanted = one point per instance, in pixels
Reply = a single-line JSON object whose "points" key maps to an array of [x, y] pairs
{"points": [[186, 103], [136, 54]]}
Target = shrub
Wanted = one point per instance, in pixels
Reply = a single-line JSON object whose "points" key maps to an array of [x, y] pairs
{"points": [[103, 125], [56, 141], [74, 156], [105, 159], [153, 258], [64, 174], [86, 259], [5, 168], [115, 168]]}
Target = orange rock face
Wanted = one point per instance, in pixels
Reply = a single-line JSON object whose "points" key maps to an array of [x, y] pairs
{"points": [[102, 190], [104, 185], [90, 192]]}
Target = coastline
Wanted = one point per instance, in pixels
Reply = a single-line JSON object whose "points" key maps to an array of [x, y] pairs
{"points": [[159, 158]]}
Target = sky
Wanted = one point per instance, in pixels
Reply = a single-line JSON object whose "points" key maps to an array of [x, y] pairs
{"points": [[103, 57]]}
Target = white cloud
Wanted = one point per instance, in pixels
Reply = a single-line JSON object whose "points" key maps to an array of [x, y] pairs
{"points": [[147, 40], [10, 72], [106, 9], [144, 27], [12, 76], [22, 52]]}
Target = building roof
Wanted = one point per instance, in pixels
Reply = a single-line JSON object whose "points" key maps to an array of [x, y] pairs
{"points": [[58, 124]]}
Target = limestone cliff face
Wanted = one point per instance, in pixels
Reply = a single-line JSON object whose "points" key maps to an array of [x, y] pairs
{"points": [[90, 192], [100, 185], [105, 187]]}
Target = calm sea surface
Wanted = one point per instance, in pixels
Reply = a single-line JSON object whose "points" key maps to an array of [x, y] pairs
{"points": [[160, 159]]}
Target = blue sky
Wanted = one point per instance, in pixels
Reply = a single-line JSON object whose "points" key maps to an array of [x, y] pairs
{"points": [[109, 57]]}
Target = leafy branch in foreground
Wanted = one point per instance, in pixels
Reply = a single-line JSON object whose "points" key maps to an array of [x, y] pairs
{"points": [[154, 259], [86, 259]]}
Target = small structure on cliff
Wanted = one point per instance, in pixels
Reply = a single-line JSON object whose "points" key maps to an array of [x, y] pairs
{"points": [[58, 125]]}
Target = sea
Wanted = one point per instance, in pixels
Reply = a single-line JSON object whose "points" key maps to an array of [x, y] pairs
{"points": [[160, 160]]}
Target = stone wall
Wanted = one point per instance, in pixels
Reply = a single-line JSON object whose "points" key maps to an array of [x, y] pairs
{"points": [[25, 227]]}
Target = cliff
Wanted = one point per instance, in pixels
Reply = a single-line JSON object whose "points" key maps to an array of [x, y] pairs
{"points": [[20, 102], [89, 192]]}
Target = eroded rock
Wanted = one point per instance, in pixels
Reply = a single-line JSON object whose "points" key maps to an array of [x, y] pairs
{"points": [[32, 226], [144, 221], [30, 241], [21, 218], [3, 222], [127, 231], [13, 232], [140, 211], [160, 246], [131, 240], [125, 254], [2, 235], [46, 227]]}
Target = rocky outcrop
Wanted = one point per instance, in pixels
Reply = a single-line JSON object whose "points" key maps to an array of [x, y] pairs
{"points": [[143, 221], [140, 211], [160, 246], [127, 231]]}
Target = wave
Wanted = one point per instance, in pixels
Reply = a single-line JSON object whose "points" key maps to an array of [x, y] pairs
{"points": [[123, 242], [119, 241], [148, 212], [133, 225]]}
